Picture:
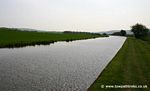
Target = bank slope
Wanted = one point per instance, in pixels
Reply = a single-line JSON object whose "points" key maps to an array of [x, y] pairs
{"points": [[15, 38], [131, 66]]}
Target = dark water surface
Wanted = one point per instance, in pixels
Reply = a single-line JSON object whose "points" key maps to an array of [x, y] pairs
{"points": [[61, 66]]}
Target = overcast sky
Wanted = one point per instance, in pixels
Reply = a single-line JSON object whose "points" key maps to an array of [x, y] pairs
{"points": [[84, 15]]}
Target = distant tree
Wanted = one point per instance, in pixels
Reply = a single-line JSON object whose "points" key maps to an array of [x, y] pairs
{"points": [[123, 33], [67, 31], [116, 33], [105, 34], [139, 30]]}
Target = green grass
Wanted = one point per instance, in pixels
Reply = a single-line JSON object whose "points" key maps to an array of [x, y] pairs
{"points": [[146, 38], [131, 66], [15, 38]]}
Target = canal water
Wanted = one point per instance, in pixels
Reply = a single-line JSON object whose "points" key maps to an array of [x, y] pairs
{"points": [[62, 66]]}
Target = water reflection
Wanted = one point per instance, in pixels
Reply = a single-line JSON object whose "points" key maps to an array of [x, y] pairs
{"points": [[34, 43]]}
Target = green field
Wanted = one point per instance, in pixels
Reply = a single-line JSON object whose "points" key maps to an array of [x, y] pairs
{"points": [[131, 66], [15, 38]]}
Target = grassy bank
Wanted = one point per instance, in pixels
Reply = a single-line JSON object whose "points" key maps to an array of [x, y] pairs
{"points": [[147, 38], [15, 38], [131, 66]]}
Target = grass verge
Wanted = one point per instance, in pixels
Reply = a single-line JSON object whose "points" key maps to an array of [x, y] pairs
{"points": [[131, 66], [10, 38]]}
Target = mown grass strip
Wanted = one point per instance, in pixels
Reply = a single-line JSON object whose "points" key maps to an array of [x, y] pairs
{"points": [[131, 66]]}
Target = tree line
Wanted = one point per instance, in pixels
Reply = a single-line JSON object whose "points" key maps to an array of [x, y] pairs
{"points": [[139, 31]]}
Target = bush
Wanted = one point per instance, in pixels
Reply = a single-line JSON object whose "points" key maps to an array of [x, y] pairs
{"points": [[139, 30], [123, 33]]}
